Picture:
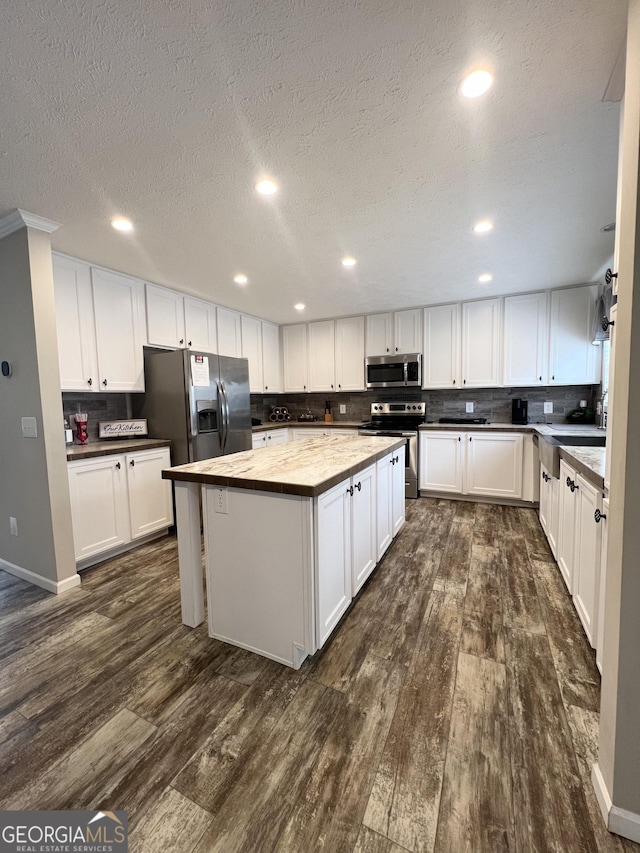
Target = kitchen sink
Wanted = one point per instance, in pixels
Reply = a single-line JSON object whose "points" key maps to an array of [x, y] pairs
{"points": [[580, 440], [548, 446]]}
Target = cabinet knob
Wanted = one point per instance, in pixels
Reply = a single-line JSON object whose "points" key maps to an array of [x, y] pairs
{"points": [[188, 343], [387, 349], [304, 387], [350, 491], [469, 438], [459, 439], [266, 387], [606, 322], [464, 381], [454, 381], [358, 486], [397, 458], [332, 387], [118, 466], [181, 341], [552, 378], [132, 463], [609, 276], [89, 381], [396, 349], [568, 481], [573, 487], [597, 515], [104, 382], [539, 378]]}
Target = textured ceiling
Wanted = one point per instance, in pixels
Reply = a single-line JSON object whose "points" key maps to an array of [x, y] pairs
{"points": [[168, 113]]}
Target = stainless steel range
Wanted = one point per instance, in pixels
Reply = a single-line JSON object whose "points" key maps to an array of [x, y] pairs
{"points": [[400, 419]]}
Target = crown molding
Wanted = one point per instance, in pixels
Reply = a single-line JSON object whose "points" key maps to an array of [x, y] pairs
{"points": [[23, 219]]}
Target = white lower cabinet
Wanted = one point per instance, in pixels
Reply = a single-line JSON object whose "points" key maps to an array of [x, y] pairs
{"points": [[478, 463], [548, 513], [567, 497], [603, 521], [586, 581], [269, 437], [118, 499], [391, 499], [333, 559], [364, 552]]}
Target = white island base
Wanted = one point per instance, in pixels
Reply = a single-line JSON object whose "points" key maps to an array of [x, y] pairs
{"points": [[282, 569]]}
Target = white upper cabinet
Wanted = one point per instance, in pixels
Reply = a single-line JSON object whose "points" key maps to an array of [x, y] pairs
{"points": [[322, 363], [407, 330], [252, 351], [379, 337], [294, 353], [573, 359], [441, 352], [271, 372], [200, 325], [229, 333], [525, 340], [76, 329], [350, 354], [481, 343], [399, 332], [119, 318], [165, 317]]}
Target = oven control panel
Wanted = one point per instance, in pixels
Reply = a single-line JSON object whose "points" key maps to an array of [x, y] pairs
{"points": [[399, 409]]}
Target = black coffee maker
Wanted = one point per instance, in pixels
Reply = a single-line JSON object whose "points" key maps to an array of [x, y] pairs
{"points": [[519, 411]]}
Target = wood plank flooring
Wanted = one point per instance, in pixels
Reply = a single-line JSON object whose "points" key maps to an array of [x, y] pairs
{"points": [[455, 708]]}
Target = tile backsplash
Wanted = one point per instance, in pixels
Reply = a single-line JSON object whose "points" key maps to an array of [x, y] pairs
{"points": [[99, 407], [491, 403]]}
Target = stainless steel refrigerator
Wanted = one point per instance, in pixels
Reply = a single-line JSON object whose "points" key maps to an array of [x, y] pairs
{"points": [[198, 400]]}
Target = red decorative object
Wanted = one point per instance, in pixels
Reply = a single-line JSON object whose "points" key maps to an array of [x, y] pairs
{"points": [[81, 427]]}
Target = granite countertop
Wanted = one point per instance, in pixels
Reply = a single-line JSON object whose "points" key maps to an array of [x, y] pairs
{"points": [[588, 461], [113, 446], [303, 424], [499, 427], [306, 468]]}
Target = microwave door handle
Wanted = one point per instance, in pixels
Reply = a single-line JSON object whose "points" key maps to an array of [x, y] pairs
{"points": [[405, 371]]}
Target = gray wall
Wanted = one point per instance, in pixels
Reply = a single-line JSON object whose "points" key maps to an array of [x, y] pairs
{"points": [[33, 472]]}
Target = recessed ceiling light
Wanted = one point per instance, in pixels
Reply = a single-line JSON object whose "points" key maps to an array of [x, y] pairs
{"points": [[349, 262], [476, 84], [299, 306], [122, 224], [485, 277], [241, 279], [266, 187], [483, 227]]}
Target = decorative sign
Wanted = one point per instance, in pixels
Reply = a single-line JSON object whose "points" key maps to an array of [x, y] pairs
{"points": [[200, 371], [122, 429]]}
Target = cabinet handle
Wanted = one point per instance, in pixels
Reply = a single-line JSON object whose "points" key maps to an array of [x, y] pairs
{"points": [[339, 385], [358, 486], [464, 381], [188, 343], [597, 515], [568, 481], [118, 466], [609, 276], [350, 491], [606, 322], [89, 381], [304, 387], [132, 463], [397, 458], [266, 387], [459, 439], [539, 378], [454, 381], [553, 378], [387, 349], [469, 438], [332, 387], [396, 349], [393, 461], [181, 341], [573, 487], [104, 382]]}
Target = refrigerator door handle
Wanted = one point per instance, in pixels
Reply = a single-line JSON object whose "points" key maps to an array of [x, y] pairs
{"points": [[224, 411], [221, 425]]}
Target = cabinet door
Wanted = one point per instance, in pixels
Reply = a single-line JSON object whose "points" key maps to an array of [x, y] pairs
{"points": [[364, 552], [75, 325], [573, 359], [294, 346], [252, 351], [119, 313], [407, 331], [277, 436], [200, 324], [440, 460], [397, 491], [566, 523], [604, 533], [322, 349], [441, 347], [525, 340], [150, 502], [350, 354], [272, 375], [258, 439], [384, 477], [554, 515], [99, 510], [481, 343], [333, 543], [493, 464], [379, 334], [229, 333], [545, 499], [549, 507], [586, 579], [165, 317]]}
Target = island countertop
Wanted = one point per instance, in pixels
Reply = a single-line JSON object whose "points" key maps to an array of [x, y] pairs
{"points": [[307, 467]]}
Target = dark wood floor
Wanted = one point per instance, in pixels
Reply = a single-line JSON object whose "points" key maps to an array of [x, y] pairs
{"points": [[455, 709]]}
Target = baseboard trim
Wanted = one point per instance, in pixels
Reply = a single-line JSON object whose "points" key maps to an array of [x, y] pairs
{"points": [[479, 499], [96, 559], [620, 821], [56, 587]]}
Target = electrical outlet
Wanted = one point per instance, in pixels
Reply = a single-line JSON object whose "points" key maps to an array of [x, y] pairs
{"points": [[29, 428], [469, 408], [220, 503], [343, 409], [13, 526], [548, 408]]}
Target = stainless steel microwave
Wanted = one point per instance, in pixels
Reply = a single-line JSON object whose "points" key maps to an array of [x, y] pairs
{"points": [[393, 371]]}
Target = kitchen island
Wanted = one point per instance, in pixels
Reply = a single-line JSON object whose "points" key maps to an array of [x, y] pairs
{"points": [[291, 533]]}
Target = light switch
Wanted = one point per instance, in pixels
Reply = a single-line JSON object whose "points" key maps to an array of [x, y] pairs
{"points": [[548, 408], [469, 408], [29, 428], [343, 409]]}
